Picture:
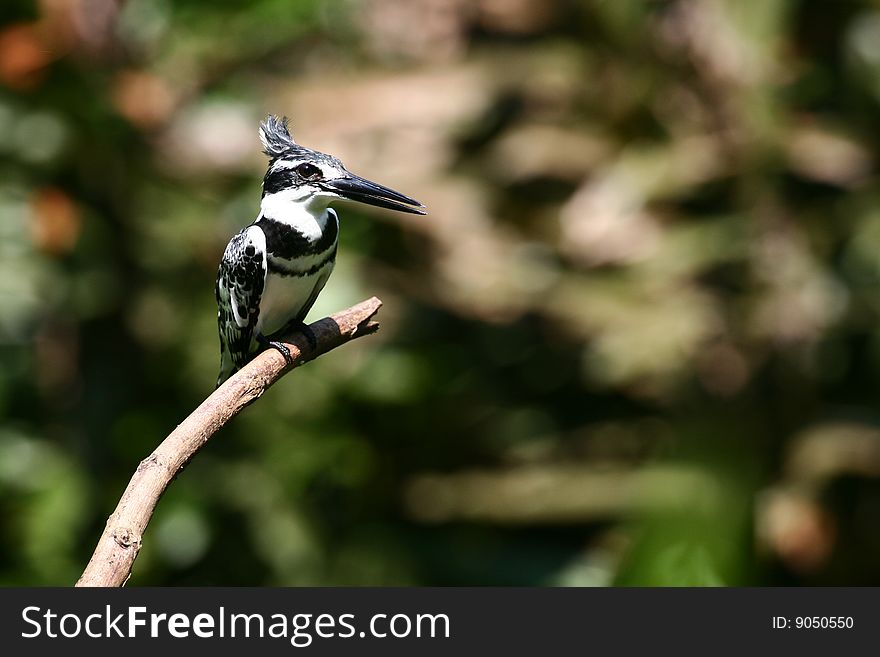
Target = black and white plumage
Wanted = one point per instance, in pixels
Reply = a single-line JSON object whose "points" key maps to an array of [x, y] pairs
{"points": [[273, 270]]}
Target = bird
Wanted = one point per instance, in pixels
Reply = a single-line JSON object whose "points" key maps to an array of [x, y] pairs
{"points": [[273, 270]]}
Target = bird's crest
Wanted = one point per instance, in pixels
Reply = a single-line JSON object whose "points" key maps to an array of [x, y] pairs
{"points": [[276, 138]]}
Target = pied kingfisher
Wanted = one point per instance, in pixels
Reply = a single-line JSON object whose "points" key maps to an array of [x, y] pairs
{"points": [[273, 270]]}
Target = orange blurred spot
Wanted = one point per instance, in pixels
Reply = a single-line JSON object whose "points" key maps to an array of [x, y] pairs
{"points": [[23, 55], [142, 98], [56, 221], [799, 531]]}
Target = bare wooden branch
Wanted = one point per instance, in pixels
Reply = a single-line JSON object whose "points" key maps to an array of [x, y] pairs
{"points": [[118, 546]]}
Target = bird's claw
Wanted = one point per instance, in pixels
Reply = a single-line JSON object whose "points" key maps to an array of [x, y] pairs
{"points": [[280, 347]]}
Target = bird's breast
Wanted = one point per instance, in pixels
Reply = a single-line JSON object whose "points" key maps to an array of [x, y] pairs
{"points": [[287, 297], [300, 254]]}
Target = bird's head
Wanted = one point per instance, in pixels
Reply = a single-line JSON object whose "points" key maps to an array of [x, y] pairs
{"points": [[303, 175]]}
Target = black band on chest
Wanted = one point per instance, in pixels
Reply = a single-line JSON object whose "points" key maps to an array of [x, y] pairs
{"points": [[287, 268], [285, 241]]}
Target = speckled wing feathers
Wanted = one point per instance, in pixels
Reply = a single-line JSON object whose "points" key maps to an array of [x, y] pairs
{"points": [[241, 279]]}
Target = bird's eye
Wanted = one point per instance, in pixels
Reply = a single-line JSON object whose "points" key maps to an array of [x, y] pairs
{"points": [[308, 171]]}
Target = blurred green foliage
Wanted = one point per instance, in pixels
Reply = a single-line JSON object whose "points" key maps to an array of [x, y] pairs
{"points": [[634, 341]]}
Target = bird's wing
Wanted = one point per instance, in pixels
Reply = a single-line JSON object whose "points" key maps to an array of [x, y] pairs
{"points": [[240, 283]]}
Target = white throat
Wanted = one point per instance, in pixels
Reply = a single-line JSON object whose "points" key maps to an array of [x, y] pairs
{"points": [[299, 208]]}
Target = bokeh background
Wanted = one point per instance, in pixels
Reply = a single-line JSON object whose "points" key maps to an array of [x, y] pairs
{"points": [[635, 341]]}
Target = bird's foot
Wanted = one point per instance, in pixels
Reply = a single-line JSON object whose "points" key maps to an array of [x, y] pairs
{"points": [[280, 347]]}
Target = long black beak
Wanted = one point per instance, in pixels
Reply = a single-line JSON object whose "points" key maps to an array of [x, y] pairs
{"points": [[362, 190]]}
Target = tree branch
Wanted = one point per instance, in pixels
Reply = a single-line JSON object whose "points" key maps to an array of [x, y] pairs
{"points": [[118, 546]]}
